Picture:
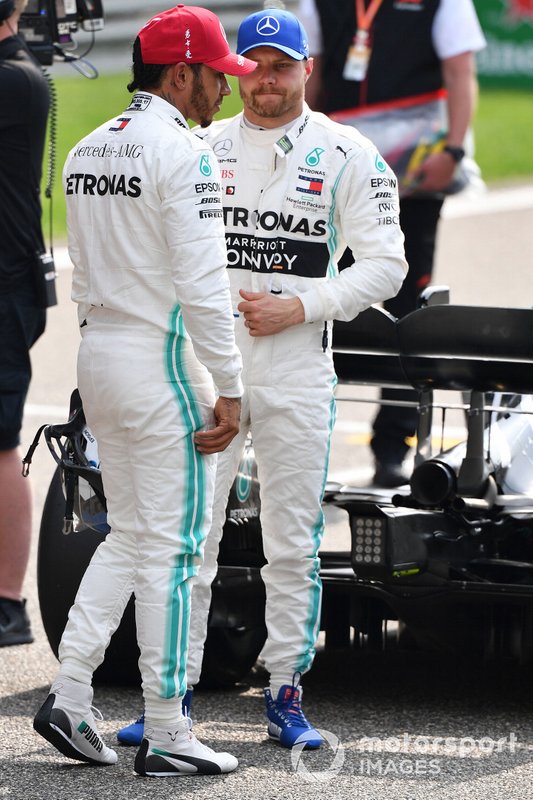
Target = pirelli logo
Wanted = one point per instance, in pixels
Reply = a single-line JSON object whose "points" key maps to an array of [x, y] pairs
{"points": [[212, 213]]}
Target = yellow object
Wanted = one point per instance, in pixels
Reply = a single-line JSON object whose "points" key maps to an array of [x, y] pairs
{"points": [[424, 148]]}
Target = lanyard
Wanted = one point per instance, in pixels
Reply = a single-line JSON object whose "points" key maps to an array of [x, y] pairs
{"points": [[358, 57], [365, 17]]}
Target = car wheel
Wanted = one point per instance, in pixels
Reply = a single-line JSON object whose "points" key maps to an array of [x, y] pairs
{"points": [[233, 642]]}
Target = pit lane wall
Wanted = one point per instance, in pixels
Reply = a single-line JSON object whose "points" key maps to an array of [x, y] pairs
{"points": [[507, 61]]}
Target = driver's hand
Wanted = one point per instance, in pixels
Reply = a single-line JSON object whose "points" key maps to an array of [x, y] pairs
{"points": [[265, 314], [227, 417]]}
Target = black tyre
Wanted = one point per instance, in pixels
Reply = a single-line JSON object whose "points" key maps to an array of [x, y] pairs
{"points": [[61, 561], [236, 630]]}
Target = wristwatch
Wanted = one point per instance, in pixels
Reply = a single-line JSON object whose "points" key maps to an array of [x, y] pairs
{"points": [[457, 153]]}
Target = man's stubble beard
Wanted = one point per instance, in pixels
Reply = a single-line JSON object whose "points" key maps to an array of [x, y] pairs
{"points": [[200, 102], [274, 109]]}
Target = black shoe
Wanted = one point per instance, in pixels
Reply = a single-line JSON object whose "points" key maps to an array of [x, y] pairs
{"points": [[14, 623], [389, 476]]}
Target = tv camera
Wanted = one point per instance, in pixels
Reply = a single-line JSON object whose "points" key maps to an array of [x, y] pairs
{"points": [[47, 26]]}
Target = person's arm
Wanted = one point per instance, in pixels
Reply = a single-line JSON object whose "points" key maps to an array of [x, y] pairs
{"points": [[194, 231], [192, 220], [265, 314], [459, 76], [367, 221], [80, 283], [227, 414], [460, 81], [370, 226]]}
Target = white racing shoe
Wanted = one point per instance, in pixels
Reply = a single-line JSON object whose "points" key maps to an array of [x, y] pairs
{"points": [[67, 721], [166, 753]]}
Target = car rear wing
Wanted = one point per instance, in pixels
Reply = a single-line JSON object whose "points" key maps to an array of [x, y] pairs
{"points": [[472, 349]]}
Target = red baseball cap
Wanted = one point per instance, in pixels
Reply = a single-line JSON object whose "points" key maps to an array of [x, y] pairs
{"points": [[191, 34]]}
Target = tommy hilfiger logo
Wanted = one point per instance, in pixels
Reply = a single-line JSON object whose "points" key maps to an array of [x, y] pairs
{"points": [[310, 185], [122, 122]]}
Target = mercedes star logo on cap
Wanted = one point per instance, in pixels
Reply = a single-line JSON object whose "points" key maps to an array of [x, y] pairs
{"points": [[267, 26]]}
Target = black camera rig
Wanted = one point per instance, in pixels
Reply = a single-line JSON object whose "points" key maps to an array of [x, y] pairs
{"points": [[47, 26]]}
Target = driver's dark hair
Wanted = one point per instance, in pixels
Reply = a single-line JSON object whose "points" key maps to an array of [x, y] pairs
{"points": [[149, 76]]}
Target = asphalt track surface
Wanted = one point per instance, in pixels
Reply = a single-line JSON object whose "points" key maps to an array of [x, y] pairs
{"points": [[399, 725]]}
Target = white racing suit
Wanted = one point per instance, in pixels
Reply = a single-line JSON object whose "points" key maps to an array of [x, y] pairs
{"points": [[291, 205], [146, 238]]}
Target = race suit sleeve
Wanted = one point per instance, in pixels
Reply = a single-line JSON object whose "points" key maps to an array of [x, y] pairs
{"points": [[79, 274], [192, 219], [367, 218]]}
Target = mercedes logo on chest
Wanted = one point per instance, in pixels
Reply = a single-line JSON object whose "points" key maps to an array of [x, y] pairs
{"points": [[223, 147]]}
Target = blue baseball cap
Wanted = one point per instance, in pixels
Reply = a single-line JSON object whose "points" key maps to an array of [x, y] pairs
{"points": [[273, 27]]}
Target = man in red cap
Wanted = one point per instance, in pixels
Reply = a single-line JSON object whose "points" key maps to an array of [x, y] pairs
{"points": [[146, 237]]}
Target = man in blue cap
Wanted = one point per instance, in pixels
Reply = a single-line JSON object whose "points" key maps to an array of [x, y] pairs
{"points": [[418, 54], [297, 189]]}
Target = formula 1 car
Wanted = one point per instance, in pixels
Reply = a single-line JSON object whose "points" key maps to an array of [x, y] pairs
{"points": [[449, 557], [451, 560]]}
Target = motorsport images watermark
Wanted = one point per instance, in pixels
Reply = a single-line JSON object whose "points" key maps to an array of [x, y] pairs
{"points": [[399, 756], [314, 775]]}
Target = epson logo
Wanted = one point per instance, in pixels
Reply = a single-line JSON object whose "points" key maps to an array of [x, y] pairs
{"points": [[200, 188], [375, 183]]}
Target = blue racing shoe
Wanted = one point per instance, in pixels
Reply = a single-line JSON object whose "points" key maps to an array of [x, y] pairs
{"points": [[132, 735], [286, 721]]}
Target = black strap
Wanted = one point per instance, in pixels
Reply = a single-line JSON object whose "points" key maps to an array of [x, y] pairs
{"points": [[26, 461]]}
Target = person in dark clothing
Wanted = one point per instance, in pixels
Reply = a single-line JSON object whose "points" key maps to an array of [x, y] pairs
{"points": [[409, 48], [24, 99]]}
